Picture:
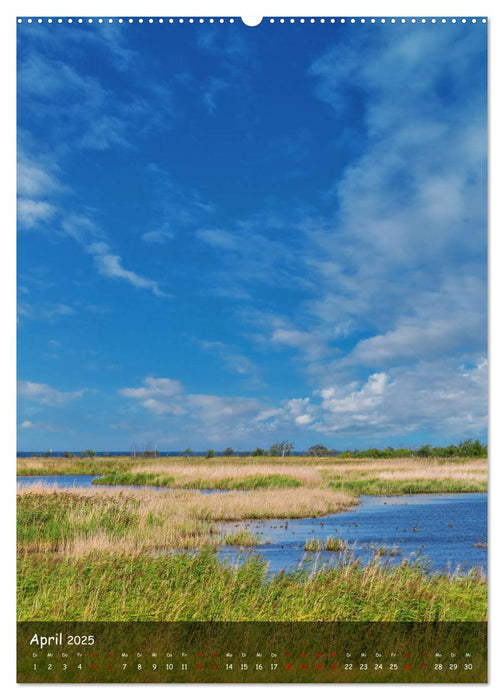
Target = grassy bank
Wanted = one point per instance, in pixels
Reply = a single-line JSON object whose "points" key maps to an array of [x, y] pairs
{"points": [[132, 521], [197, 587], [367, 476]]}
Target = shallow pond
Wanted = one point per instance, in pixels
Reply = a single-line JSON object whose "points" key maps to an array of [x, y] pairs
{"points": [[444, 528]]}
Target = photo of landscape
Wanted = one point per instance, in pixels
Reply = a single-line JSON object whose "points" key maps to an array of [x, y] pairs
{"points": [[252, 342]]}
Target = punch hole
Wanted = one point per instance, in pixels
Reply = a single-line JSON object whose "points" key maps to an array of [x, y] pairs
{"points": [[252, 21]]}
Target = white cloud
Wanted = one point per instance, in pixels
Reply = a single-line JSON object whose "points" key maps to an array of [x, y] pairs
{"points": [[233, 361], [46, 311], [154, 387], [32, 212], [33, 180], [159, 235], [45, 394], [219, 238], [210, 92], [438, 396], [110, 265], [37, 425], [367, 397], [206, 413]]}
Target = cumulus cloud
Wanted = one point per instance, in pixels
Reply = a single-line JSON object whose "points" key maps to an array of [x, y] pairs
{"points": [[36, 425], [45, 394], [439, 396], [206, 413]]}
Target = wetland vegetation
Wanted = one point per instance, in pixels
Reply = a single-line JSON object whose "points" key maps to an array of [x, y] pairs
{"points": [[147, 554]]}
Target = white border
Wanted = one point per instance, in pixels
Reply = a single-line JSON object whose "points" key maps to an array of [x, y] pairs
{"points": [[7, 260]]}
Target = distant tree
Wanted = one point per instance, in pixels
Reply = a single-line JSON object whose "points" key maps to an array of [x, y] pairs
{"points": [[88, 453], [228, 452], [403, 452], [424, 451], [68, 455], [318, 451], [472, 448], [210, 454], [258, 452], [106, 454], [47, 453], [281, 449], [187, 452]]}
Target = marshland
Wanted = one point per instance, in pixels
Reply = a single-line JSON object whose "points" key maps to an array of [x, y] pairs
{"points": [[146, 540]]}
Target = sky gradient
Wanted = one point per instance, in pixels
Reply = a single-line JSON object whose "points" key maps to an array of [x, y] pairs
{"points": [[230, 236]]}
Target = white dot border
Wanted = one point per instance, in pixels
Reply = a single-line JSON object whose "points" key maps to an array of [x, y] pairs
{"points": [[287, 21]]}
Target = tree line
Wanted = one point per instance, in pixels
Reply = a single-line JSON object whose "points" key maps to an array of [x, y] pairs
{"points": [[285, 448], [465, 448]]}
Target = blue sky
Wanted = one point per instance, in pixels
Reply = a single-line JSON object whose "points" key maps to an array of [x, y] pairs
{"points": [[232, 235]]}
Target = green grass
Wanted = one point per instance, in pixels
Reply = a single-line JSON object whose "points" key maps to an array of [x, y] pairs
{"points": [[398, 487], [46, 522], [241, 538], [135, 479], [197, 587], [250, 483]]}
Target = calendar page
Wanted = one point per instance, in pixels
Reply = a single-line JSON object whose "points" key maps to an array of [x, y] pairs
{"points": [[252, 413]]}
